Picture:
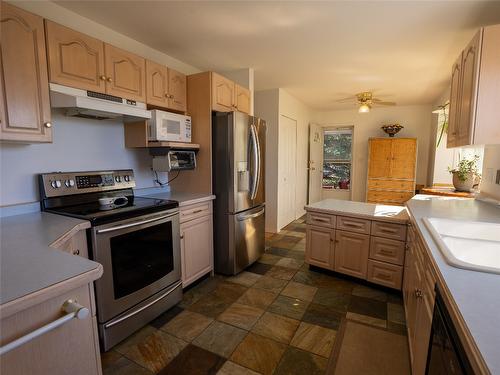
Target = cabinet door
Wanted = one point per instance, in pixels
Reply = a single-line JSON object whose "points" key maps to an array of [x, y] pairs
{"points": [[177, 90], [125, 74], [454, 111], [351, 253], [380, 158], [222, 93], [242, 99], [320, 247], [75, 59], [196, 249], [24, 86], [403, 158], [156, 84], [470, 76]]}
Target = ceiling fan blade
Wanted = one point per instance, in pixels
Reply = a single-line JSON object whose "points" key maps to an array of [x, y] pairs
{"points": [[349, 99], [378, 101]]}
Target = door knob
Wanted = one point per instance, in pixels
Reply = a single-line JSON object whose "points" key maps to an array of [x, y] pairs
{"points": [[48, 125]]}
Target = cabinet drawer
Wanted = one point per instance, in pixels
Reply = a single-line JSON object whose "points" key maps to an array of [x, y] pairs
{"points": [[353, 224], [385, 274], [388, 196], [194, 211], [386, 250], [323, 220], [389, 230], [391, 185]]}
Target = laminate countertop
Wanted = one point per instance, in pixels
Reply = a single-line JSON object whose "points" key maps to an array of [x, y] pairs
{"points": [[476, 295], [183, 197], [27, 262], [363, 210]]}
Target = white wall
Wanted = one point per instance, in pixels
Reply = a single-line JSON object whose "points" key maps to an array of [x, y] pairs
{"points": [[78, 145], [415, 119], [267, 108], [491, 163]]}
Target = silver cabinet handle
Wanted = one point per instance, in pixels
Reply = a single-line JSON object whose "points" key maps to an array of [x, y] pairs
{"points": [[134, 224], [250, 216], [72, 310]]}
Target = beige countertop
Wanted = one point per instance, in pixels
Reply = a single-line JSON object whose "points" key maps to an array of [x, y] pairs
{"points": [[183, 197], [364, 210], [27, 262], [476, 295]]}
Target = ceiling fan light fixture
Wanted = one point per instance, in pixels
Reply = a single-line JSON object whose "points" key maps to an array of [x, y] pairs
{"points": [[364, 108]]}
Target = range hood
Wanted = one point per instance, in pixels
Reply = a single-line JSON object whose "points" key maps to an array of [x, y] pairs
{"points": [[95, 105]]}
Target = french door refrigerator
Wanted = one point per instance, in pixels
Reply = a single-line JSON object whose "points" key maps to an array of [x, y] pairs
{"points": [[238, 159]]}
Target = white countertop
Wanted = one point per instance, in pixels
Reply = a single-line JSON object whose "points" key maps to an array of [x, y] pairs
{"points": [[476, 294], [184, 198], [360, 209], [27, 263]]}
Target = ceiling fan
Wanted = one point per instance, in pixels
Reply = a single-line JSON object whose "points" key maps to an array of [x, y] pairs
{"points": [[365, 100]]}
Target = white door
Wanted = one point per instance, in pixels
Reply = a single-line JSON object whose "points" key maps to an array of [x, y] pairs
{"points": [[287, 165], [315, 162]]}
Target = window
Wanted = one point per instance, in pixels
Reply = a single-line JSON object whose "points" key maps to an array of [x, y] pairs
{"points": [[337, 158]]}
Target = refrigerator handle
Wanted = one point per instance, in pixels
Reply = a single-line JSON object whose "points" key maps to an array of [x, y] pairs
{"points": [[256, 161], [250, 216]]}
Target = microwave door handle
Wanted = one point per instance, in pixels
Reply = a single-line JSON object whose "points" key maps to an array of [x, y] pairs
{"points": [[255, 162]]}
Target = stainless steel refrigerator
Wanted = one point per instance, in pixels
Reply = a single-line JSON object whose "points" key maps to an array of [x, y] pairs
{"points": [[238, 159]]}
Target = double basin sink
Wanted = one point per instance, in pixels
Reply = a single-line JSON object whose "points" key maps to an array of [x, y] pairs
{"points": [[470, 245]]}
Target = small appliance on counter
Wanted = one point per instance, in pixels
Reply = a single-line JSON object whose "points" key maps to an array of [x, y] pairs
{"points": [[238, 160], [136, 239], [175, 160], [168, 126]]}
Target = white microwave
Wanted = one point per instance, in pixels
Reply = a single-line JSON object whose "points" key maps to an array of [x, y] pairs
{"points": [[168, 126]]}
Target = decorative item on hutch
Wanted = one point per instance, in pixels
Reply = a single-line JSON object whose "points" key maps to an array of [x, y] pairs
{"points": [[392, 129]]}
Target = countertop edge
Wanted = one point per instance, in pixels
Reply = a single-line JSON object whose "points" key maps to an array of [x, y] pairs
{"points": [[353, 214], [466, 335], [41, 295]]}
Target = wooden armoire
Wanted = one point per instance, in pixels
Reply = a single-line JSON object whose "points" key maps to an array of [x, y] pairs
{"points": [[391, 170]]}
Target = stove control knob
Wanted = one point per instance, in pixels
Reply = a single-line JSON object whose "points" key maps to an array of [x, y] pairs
{"points": [[118, 179], [69, 183], [56, 184], [126, 178]]}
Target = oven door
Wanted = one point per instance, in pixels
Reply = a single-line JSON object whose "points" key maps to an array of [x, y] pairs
{"points": [[140, 257]]}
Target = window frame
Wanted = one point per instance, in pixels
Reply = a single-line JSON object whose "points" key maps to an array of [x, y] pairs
{"points": [[347, 129]]}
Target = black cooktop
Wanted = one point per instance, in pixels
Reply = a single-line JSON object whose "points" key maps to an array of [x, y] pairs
{"points": [[98, 214]]}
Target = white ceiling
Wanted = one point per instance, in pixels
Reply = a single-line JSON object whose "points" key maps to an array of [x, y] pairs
{"points": [[318, 51]]}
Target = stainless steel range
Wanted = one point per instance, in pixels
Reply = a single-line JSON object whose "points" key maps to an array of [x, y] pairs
{"points": [[136, 239]]}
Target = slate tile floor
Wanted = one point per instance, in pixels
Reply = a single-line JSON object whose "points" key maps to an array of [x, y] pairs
{"points": [[277, 317]]}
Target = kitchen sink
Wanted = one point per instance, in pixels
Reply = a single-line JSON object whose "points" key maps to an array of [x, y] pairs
{"points": [[470, 245]]}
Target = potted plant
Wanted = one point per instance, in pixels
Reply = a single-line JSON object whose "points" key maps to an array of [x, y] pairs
{"points": [[465, 174]]}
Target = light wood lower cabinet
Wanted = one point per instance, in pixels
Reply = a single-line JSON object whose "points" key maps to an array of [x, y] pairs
{"points": [[419, 296], [71, 348], [24, 86], [320, 246], [368, 249], [351, 253], [196, 241]]}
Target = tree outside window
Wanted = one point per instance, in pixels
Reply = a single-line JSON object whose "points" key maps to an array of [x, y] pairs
{"points": [[337, 159]]}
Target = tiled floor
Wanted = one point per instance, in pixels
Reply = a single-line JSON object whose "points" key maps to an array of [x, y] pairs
{"points": [[277, 317]]}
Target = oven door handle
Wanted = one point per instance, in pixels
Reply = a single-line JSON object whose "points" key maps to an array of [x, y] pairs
{"points": [[134, 224], [131, 314]]}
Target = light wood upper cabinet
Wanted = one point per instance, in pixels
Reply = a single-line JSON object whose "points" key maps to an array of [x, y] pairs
{"points": [[125, 73], [24, 91], [223, 91], [156, 84], [75, 59], [351, 253], [177, 90], [403, 160], [454, 110], [380, 157], [242, 98], [475, 92]]}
